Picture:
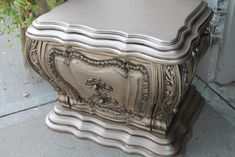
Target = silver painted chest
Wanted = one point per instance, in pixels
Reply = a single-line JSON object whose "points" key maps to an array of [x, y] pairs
{"points": [[122, 70]]}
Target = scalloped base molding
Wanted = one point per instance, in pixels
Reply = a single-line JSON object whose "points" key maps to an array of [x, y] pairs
{"points": [[130, 139]]}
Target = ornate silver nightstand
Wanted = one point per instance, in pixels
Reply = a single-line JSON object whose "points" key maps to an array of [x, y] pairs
{"points": [[123, 69]]}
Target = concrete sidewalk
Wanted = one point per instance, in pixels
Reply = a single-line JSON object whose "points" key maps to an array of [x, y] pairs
{"points": [[25, 135], [15, 80], [23, 132]]}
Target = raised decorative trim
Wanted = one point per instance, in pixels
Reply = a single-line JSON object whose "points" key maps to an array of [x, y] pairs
{"points": [[165, 112], [32, 48]]}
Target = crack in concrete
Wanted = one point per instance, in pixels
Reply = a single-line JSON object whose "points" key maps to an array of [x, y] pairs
{"points": [[220, 96], [26, 109]]}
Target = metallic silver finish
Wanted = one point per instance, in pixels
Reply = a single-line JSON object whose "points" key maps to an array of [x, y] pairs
{"points": [[130, 140], [184, 29], [124, 87]]}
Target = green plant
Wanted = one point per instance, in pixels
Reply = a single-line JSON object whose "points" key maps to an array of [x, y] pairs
{"points": [[17, 15]]}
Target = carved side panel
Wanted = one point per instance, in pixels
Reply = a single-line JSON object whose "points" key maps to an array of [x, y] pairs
{"points": [[175, 81]]}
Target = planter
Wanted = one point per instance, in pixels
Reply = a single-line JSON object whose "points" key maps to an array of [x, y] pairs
{"points": [[123, 74]]}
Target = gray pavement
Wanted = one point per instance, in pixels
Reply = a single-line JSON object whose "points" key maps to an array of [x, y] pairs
{"points": [[25, 135], [23, 132], [15, 80]]}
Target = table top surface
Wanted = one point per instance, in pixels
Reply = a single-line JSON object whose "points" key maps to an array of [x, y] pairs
{"points": [[162, 30], [161, 19]]}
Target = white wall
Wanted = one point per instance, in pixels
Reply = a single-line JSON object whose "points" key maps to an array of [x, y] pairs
{"points": [[225, 71], [208, 65]]}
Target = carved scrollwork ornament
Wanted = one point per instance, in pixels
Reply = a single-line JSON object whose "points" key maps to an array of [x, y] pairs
{"points": [[101, 89], [165, 112], [104, 102]]}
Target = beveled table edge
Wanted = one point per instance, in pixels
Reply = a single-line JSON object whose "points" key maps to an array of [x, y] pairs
{"points": [[129, 46], [124, 36], [122, 49]]}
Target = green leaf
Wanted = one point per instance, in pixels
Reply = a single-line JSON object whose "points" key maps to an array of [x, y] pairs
{"points": [[10, 44]]}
